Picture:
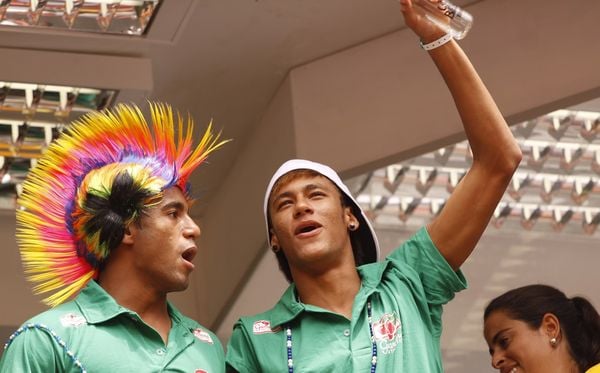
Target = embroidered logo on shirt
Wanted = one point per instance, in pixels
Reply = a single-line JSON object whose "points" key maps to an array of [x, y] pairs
{"points": [[72, 320], [388, 332], [203, 336], [264, 326]]}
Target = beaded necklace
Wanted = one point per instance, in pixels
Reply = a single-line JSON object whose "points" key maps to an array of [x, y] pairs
{"points": [[58, 340], [288, 344]]}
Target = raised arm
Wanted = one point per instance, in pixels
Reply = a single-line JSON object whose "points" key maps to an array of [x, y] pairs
{"points": [[496, 154]]}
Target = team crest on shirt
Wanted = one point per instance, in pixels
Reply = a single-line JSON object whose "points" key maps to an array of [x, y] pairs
{"points": [[388, 332], [263, 327], [72, 320], [202, 335]]}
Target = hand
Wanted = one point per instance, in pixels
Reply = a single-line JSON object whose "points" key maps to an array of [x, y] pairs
{"points": [[415, 19]]}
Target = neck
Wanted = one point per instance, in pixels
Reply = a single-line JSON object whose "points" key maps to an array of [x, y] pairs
{"points": [[334, 290], [567, 366], [561, 360], [130, 293]]}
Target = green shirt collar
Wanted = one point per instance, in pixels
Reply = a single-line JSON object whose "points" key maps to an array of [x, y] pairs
{"points": [[288, 307], [97, 306]]}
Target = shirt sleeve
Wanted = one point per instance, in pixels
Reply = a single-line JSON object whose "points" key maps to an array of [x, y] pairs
{"points": [[240, 356], [32, 351], [426, 265]]}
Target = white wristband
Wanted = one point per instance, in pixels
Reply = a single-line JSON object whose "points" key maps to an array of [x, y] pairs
{"points": [[436, 43]]}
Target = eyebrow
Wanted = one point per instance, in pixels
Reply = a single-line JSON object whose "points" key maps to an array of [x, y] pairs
{"points": [[175, 204], [306, 188]]}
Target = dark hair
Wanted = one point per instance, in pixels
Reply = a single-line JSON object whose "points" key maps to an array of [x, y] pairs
{"points": [[355, 239], [579, 320], [109, 213]]}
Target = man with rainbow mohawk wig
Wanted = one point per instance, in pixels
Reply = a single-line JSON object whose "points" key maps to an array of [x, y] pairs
{"points": [[103, 227]]}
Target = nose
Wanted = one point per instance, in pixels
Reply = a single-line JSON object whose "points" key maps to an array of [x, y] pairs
{"points": [[302, 207], [191, 230], [497, 360]]}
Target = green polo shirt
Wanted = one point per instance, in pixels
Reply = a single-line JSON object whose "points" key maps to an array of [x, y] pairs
{"points": [[105, 337], [406, 291]]}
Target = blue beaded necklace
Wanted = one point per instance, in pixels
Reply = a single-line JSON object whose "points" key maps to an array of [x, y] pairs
{"points": [[288, 344], [58, 340]]}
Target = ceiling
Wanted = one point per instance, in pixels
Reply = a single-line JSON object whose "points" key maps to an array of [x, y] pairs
{"points": [[341, 82]]}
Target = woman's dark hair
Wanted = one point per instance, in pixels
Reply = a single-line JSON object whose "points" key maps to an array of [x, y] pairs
{"points": [[579, 320]]}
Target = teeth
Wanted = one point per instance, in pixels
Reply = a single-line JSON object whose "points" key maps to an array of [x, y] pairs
{"points": [[513, 370]]}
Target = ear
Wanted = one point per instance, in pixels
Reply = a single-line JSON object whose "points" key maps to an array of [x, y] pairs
{"points": [[129, 235], [349, 217], [274, 239], [550, 326]]}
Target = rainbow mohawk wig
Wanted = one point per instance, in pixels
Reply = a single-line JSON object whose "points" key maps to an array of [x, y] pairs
{"points": [[93, 181]]}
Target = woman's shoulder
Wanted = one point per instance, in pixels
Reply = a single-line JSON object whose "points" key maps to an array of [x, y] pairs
{"points": [[594, 369]]}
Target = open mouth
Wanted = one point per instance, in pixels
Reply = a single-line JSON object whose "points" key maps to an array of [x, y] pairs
{"points": [[189, 254], [307, 227]]}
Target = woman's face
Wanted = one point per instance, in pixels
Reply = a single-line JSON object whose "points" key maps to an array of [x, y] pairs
{"points": [[515, 347]]}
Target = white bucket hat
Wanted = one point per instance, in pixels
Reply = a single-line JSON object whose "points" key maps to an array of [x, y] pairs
{"points": [[364, 237]]}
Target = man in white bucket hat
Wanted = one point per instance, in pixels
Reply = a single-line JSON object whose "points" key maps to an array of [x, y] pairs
{"points": [[344, 311]]}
